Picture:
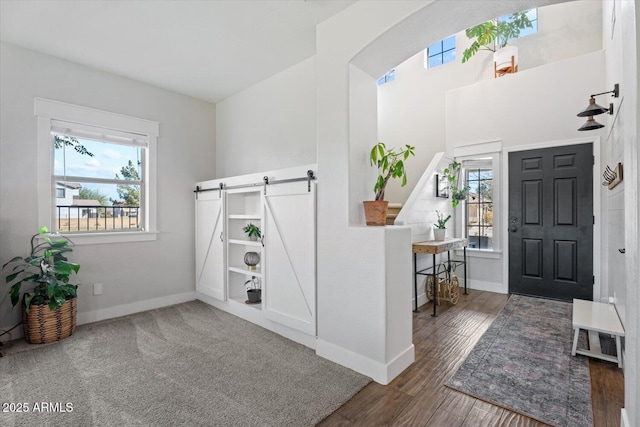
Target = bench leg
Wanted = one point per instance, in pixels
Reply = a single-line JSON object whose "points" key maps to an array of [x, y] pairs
{"points": [[619, 351], [575, 341]]}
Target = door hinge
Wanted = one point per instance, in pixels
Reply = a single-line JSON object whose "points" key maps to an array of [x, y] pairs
{"points": [[594, 159], [593, 280], [594, 220]]}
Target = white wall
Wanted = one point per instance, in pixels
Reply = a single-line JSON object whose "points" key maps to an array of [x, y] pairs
{"points": [[135, 275], [270, 125], [411, 108], [622, 42]]}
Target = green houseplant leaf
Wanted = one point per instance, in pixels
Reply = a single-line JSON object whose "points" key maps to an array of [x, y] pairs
{"points": [[42, 277], [390, 164], [493, 35]]}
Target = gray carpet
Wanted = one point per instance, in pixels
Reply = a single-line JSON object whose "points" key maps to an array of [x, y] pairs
{"points": [[185, 365], [523, 363]]}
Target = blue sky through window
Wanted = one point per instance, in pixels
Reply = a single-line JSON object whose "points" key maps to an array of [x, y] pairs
{"points": [[532, 14], [441, 52], [107, 161]]}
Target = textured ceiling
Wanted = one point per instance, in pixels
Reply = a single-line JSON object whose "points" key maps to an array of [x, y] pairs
{"points": [[209, 49]]}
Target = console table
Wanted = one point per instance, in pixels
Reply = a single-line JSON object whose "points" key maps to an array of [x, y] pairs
{"points": [[435, 247]]}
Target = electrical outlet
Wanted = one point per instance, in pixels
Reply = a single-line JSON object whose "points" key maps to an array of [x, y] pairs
{"points": [[97, 288], [612, 300]]}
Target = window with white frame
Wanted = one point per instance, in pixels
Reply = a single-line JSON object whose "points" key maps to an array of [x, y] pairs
{"points": [[479, 206], [100, 167], [441, 52], [479, 218]]}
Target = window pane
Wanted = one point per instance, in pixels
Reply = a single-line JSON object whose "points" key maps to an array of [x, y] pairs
{"points": [[95, 159], [449, 43], [434, 61], [435, 48], [98, 207], [449, 56], [532, 14], [528, 31]]}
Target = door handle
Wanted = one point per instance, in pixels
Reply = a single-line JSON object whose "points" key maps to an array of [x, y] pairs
{"points": [[513, 229], [221, 237]]}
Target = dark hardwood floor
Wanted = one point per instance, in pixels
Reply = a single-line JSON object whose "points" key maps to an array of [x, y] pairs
{"points": [[418, 396]]}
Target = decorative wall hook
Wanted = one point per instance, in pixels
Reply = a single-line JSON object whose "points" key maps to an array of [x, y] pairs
{"points": [[612, 177]]}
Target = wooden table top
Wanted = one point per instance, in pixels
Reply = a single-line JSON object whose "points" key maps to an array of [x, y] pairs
{"points": [[437, 246]]}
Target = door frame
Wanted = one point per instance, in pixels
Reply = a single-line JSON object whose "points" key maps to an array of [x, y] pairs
{"points": [[598, 249]]}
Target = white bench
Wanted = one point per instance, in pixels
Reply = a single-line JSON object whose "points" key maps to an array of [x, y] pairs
{"points": [[596, 317]]}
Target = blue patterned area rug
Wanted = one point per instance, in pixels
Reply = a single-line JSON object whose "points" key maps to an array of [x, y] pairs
{"points": [[523, 363]]}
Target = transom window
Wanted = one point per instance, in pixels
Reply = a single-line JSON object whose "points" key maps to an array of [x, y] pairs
{"points": [[479, 208], [441, 52], [388, 77], [532, 14]]}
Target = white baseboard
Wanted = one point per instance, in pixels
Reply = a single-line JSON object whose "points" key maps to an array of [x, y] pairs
{"points": [[624, 418], [487, 286], [134, 307], [122, 310], [380, 372]]}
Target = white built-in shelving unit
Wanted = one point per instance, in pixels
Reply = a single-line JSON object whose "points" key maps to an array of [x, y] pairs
{"points": [[283, 207]]}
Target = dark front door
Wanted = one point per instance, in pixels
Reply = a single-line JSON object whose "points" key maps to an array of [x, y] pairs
{"points": [[551, 222]]}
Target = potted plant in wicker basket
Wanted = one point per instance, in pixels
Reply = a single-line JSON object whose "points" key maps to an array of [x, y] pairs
{"points": [[48, 298]]}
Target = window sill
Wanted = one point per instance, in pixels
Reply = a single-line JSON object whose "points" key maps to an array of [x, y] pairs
{"points": [[89, 238], [479, 253]]}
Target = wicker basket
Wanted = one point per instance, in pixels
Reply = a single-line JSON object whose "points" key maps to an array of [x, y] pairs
{"points": [[43, 325]]}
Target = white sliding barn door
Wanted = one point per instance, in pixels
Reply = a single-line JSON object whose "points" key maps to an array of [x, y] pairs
{"points": [[210, 271], [290, 256]]}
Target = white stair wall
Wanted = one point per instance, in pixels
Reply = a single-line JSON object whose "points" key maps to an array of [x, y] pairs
{"points": [[419, 211]]}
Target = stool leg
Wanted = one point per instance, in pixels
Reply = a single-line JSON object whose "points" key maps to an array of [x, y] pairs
{"points": [[575, 341]]}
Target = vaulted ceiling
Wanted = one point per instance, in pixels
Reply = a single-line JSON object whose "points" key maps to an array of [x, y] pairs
{"points": [[209, 49]]}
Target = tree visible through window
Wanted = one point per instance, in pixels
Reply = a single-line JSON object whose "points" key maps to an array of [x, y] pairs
{"points": [[479, 208]]}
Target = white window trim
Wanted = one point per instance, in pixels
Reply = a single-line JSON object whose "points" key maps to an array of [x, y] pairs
{"points": [[468, 153], [47, 111]]}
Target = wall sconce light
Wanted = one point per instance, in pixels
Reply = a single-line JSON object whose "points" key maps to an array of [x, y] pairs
{"points": [[594, 109]]}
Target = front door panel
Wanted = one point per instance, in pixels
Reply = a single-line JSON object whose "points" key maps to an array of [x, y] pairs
{"points": [[551, 222]]}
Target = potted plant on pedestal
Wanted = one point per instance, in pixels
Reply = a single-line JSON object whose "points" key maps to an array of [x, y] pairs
{"points": [[390, 164], [440, 227], [493, 36], [48, 299]]}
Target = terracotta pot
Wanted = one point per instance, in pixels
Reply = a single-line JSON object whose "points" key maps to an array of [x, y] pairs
{"points": [[375, 212]]}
